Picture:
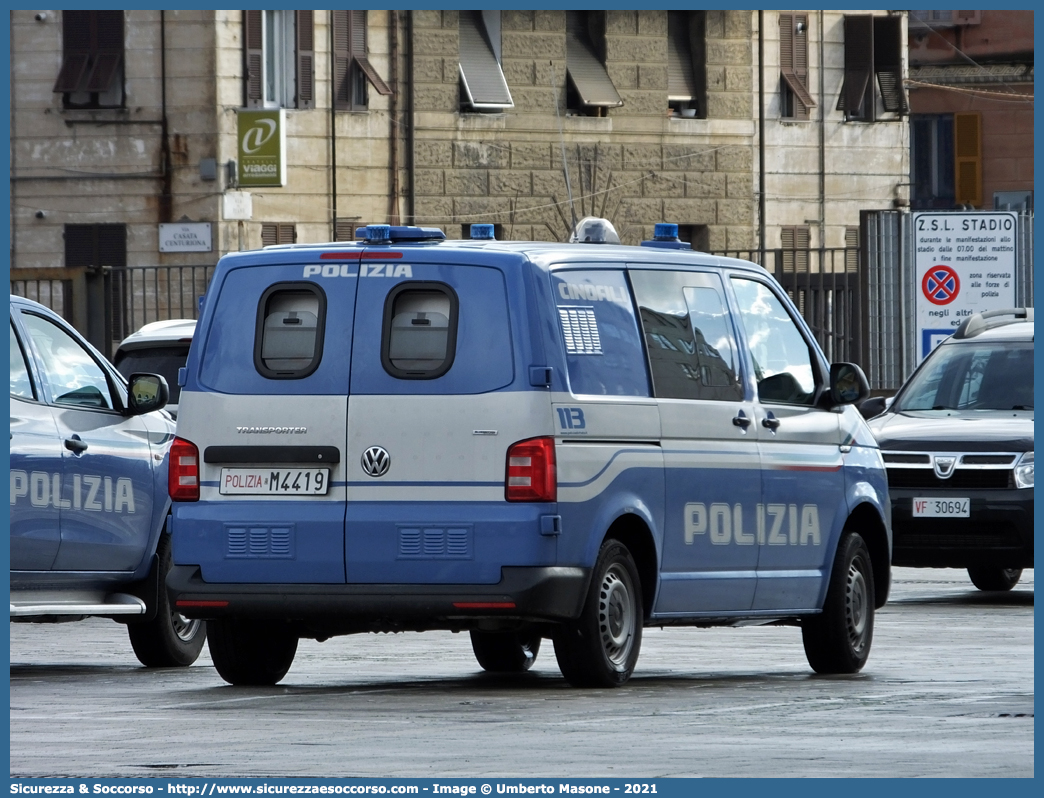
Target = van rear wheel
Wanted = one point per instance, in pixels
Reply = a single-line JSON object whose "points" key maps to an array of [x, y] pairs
{"points": [[600, 648], [250, 653], [505, 652], [838, 639]]}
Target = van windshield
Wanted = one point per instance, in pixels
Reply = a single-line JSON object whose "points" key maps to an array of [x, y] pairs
{"points": [[986, 376]]}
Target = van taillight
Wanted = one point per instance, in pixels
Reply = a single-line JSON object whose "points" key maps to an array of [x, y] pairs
{"points": [[183, 475], [531, 471]]}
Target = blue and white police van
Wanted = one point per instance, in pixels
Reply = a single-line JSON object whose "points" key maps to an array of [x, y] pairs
{"points": [[522, 440], [88, 490]]}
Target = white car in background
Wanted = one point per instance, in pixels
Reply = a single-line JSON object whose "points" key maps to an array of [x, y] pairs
{"points": [[158, 348]]}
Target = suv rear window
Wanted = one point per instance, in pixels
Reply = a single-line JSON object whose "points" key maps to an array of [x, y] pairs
{"points": [[420, 331], [288, 342], [158, 359]]}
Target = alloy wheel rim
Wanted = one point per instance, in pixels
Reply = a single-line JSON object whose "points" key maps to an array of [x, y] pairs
{"points": [[184, 628]]}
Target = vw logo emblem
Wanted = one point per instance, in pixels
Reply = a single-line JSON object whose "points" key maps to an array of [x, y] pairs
{"points": [[376, 461]]}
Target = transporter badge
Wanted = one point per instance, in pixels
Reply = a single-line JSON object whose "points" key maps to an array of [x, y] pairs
{"points": [[376, 461]]}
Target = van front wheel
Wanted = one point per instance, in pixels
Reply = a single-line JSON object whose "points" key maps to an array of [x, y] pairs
{"points": [[838, 639], [600, 648], [249, 653]]}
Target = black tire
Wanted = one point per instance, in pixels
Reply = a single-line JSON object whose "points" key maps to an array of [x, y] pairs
{"points": [[838, 640], [505, 652], [990, 578], [170, 640], [250, 653], [600, 648]]}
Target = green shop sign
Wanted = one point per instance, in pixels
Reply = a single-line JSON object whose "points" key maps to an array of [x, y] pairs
{"points": [[262, 148]]}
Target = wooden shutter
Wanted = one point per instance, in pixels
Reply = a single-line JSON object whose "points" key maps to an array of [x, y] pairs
{"points": [[857, 92], [357, 41], [278, 233], [888, 62], [253, 59], [793, 60], [108, 49], [344, 230], [967, 134], [342, 61], [76, 50], [304, 50], [851, 249], [795, 241]]}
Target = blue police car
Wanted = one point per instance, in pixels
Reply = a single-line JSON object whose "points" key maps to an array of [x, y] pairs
{"points": [[523, 440], [89, 496]]}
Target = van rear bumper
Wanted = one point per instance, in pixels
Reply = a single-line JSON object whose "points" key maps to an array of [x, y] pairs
{"points": [[523, 594]]}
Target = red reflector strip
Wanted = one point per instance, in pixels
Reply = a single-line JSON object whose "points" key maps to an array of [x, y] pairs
{"points": [[339, 255], [484, 605], [185, 603], [381, 255]]}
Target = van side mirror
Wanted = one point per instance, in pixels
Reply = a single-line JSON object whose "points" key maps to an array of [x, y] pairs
{"points": [[848, 384], [872, 407], [145, 393]]}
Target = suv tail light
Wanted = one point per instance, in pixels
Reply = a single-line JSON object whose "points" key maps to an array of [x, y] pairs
{"points": [[183, 474], [531, 471]]}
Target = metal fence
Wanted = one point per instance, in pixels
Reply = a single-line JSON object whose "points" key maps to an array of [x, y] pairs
{"points": [[825, 286], [108, 304]]}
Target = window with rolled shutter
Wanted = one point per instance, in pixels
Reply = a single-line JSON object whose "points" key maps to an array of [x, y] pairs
{"points": [[687, 63], [278, 233], [793, 66], [353, 72], [279, 59], [967, 134], [857, 91], [482, 81], [590, 90], [91, 75]]}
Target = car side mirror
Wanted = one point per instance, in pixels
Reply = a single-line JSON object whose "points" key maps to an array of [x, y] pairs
{"points": [[874, 406], [145, 393], [848, 384]]}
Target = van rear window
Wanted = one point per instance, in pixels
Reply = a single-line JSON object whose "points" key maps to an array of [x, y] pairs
{"points": [[420, 330], [288, 342]]}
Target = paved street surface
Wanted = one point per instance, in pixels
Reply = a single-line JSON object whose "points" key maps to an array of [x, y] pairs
{"points": [[948, 691]]}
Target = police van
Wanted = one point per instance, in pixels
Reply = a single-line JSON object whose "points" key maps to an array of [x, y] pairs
{"points": [[522, 440]]}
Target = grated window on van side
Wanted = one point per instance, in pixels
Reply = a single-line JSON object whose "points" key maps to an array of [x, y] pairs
{"points": [[420, 330], [289, 337]]}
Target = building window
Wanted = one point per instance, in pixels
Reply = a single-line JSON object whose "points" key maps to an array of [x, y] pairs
{"points": [[99, 246], [91, 75], [353, 72], [589, 91], [273, 233], [932, 161], [696, 235], [795, 99], [687, 63], [795, 243], [482, 82], [873, 46], [279, 53], [943, 19], [344, 229]]}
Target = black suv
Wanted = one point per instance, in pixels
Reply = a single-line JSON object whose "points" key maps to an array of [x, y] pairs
{"points": [[958, 445]]}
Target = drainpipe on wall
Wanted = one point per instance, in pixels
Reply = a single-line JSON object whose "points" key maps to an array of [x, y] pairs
{"points": [[761, 130], [166, 203], [393, 127], [333, 138], [411, 204], [822, 135]]}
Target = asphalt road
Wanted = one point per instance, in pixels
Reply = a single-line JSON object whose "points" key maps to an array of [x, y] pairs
{"points": [[948, 691]]}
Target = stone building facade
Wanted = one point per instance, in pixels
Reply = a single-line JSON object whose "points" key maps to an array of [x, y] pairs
{"points": [[725, 122]]}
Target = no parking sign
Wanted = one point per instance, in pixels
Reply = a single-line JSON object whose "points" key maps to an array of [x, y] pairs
{"points": [[964, 264]]}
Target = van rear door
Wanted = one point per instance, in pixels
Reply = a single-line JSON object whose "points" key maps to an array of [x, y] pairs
{"points": [[266, 404]]}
